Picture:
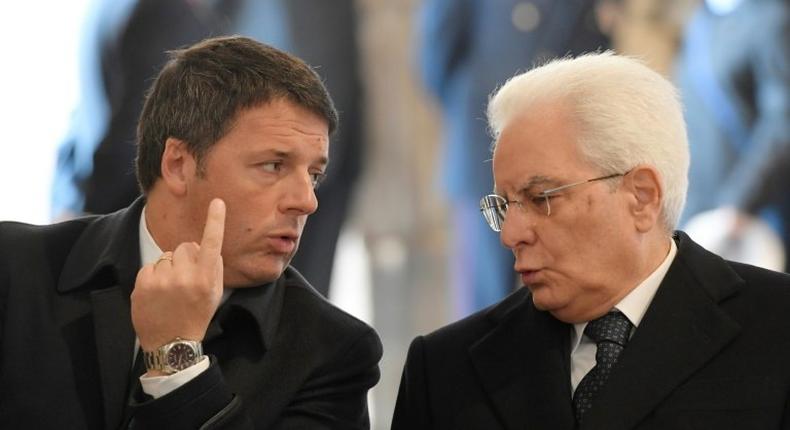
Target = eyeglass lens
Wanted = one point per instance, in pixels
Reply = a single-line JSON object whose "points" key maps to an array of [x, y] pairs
{"points": [[493, 208]]}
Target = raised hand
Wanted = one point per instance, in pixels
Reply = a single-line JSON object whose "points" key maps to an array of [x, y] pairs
{"points": [[178, 295]]}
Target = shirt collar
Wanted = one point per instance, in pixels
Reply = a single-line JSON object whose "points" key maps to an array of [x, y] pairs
{"points": [[149, 250], [635, 304]]}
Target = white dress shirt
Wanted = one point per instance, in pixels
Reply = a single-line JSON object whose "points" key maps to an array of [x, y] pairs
{"points": [[158, 386], [633, 306]]}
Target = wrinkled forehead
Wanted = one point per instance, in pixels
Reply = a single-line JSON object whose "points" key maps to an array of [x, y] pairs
{"points": [[537, 148]]}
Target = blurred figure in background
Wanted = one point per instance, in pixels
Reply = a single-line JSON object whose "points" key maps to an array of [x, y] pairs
{"points": [[122, 48], [124, 45], [651, 30], [734, 74], [467, 48]]}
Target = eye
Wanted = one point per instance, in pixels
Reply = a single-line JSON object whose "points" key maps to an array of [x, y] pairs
{"points": [[317, 178], [496, 202], [542, 198], [539, 200], [272, 166], [501, 209]]}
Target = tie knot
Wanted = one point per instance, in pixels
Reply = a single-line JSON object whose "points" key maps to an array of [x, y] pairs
{"points": [[612, 327]]}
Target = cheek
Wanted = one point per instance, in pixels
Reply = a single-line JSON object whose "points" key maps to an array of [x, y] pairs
{"points": [[248, 211], [595, 221], [574, 241], [240, 227]]}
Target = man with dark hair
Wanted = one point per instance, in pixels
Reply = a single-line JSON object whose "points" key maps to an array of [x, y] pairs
{"points": [[190, 285]]}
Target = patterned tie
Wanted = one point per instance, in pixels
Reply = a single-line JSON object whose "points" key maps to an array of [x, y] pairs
{"points": [[610, 332]]}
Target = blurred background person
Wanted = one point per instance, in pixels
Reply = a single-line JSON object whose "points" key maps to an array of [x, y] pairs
{"points": [[734, 75], [123, 45], [651, 30], [467, 49]]}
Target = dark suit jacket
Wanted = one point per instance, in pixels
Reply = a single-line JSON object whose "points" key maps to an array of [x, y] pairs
{"points": [[282, 356], [712, 352]]}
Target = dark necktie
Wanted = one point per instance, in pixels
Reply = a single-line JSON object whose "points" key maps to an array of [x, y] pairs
{"points": [[610, 332]]}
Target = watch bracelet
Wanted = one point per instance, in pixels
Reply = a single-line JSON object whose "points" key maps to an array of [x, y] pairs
{"points": [[157, 359]]}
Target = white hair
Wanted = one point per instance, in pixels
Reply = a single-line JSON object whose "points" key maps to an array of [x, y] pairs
{"points": [[627, 115]]}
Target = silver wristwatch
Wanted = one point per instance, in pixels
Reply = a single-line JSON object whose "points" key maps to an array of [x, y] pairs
{"points": [[174, 356]]}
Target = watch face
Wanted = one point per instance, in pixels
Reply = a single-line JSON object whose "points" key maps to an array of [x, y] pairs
{"points": [[180, 356]]}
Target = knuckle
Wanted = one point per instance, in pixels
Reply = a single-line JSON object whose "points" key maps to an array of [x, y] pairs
{"points": [[183, 280], [186, 248]]}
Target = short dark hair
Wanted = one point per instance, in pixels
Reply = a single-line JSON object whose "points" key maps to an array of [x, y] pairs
{"points": [[200, 91]]}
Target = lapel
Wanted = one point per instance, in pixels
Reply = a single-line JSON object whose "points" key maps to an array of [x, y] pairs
{"points": [[284, 363], [104, 262], [523, 365], [681, 331], [260, 306]]}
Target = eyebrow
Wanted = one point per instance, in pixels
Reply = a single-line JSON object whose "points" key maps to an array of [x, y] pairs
{"points": [[531, 183], [537, 180], [322, 161]]}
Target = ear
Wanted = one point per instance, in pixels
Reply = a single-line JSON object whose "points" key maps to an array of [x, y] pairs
{"points": [[644, 183], [178, 166]]}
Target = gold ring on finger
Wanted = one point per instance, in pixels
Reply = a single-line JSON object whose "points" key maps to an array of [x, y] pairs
{"points": [[167, 256]]}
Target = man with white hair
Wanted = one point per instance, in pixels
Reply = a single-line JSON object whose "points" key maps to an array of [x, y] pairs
{"points": [[624, 323]]}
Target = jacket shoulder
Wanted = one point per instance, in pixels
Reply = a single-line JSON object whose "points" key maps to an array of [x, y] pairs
{"points": [[754, 274], [27, 244], [326, 324], [466, 331], [21, 234], [772, 286]]}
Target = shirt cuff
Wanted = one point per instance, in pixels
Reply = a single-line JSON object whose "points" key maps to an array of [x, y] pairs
{"points": [[158, 386]]}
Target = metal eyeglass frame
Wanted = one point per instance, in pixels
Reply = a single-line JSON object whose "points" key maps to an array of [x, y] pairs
{"points": [[494, 207]]}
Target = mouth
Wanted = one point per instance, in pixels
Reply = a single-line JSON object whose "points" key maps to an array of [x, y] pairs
{"points": [[530, 276], [283, 243]]}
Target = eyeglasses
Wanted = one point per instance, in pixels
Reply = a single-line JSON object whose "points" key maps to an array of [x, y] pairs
{"points": [[494, 207]]}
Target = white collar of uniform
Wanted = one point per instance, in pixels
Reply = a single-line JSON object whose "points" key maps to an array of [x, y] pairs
{"points": [[635, 304]]}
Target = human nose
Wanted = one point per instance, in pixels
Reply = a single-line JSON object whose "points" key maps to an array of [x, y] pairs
{"points": [[300, 195], [518, 227]]}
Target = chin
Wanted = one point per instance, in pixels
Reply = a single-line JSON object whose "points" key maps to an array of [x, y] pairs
{"points": [[545, 300], [254, 274], [541, 304], [244, 280]]}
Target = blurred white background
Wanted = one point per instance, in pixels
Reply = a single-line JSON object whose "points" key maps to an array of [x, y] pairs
{"points": [[38, 89]]}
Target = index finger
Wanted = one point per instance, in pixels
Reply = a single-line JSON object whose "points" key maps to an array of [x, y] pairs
{"points": [[213, 233]]}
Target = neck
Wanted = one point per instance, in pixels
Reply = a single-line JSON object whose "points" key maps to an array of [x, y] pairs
{"points": [[650, 251], [655, 250], [164, 221]]}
